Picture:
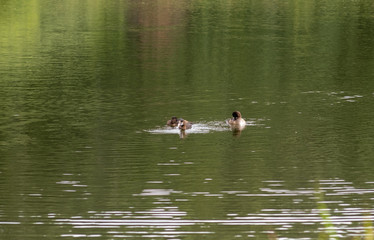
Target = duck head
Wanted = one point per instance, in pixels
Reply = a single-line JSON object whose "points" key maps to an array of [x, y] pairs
{"points": [[181, 124], [174, 120], [184, 124], [236, 115]]}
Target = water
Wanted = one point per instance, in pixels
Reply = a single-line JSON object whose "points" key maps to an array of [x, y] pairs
{"points": [[86, 88]]}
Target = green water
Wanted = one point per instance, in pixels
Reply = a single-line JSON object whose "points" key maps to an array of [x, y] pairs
{"points": [[86, 87]]}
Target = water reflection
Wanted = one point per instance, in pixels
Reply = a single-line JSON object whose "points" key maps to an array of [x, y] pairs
{"points": [[237, 130], [84, 152], [161, 38], [167, 220]]}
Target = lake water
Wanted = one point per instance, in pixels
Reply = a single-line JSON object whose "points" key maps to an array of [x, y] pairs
{"points": [[87, 86]]}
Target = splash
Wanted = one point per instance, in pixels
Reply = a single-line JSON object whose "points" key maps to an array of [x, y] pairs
{"points": [[197, 127]]}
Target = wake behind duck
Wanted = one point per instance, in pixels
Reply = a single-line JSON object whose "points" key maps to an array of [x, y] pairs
{"points": [[195, 128], [182, 127]]}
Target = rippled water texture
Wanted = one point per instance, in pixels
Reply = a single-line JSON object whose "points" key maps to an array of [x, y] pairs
{"points": [[86, 89]]}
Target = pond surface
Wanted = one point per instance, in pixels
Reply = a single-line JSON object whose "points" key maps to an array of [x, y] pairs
{"points": [[87, 86]]}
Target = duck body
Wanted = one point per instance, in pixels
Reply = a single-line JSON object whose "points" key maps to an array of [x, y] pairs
{"points": [[184, 124], [173, 122], [237, 120]]}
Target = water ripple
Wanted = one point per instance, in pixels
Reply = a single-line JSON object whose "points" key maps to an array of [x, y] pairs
{"points": [[168, 221]]}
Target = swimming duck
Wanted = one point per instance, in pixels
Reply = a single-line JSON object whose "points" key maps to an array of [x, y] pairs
{"points": [[173, 122], [184, 124], [237, 120]]}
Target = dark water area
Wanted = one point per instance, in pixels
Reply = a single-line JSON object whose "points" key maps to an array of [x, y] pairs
{"points": [[86, 88]]}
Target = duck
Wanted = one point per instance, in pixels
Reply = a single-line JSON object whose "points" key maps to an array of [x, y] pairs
{"points": [[184, 124], [237, 120], [173, 122]]}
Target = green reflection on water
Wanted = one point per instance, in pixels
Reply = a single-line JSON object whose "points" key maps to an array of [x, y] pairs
{"points": [[82, 82]]}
